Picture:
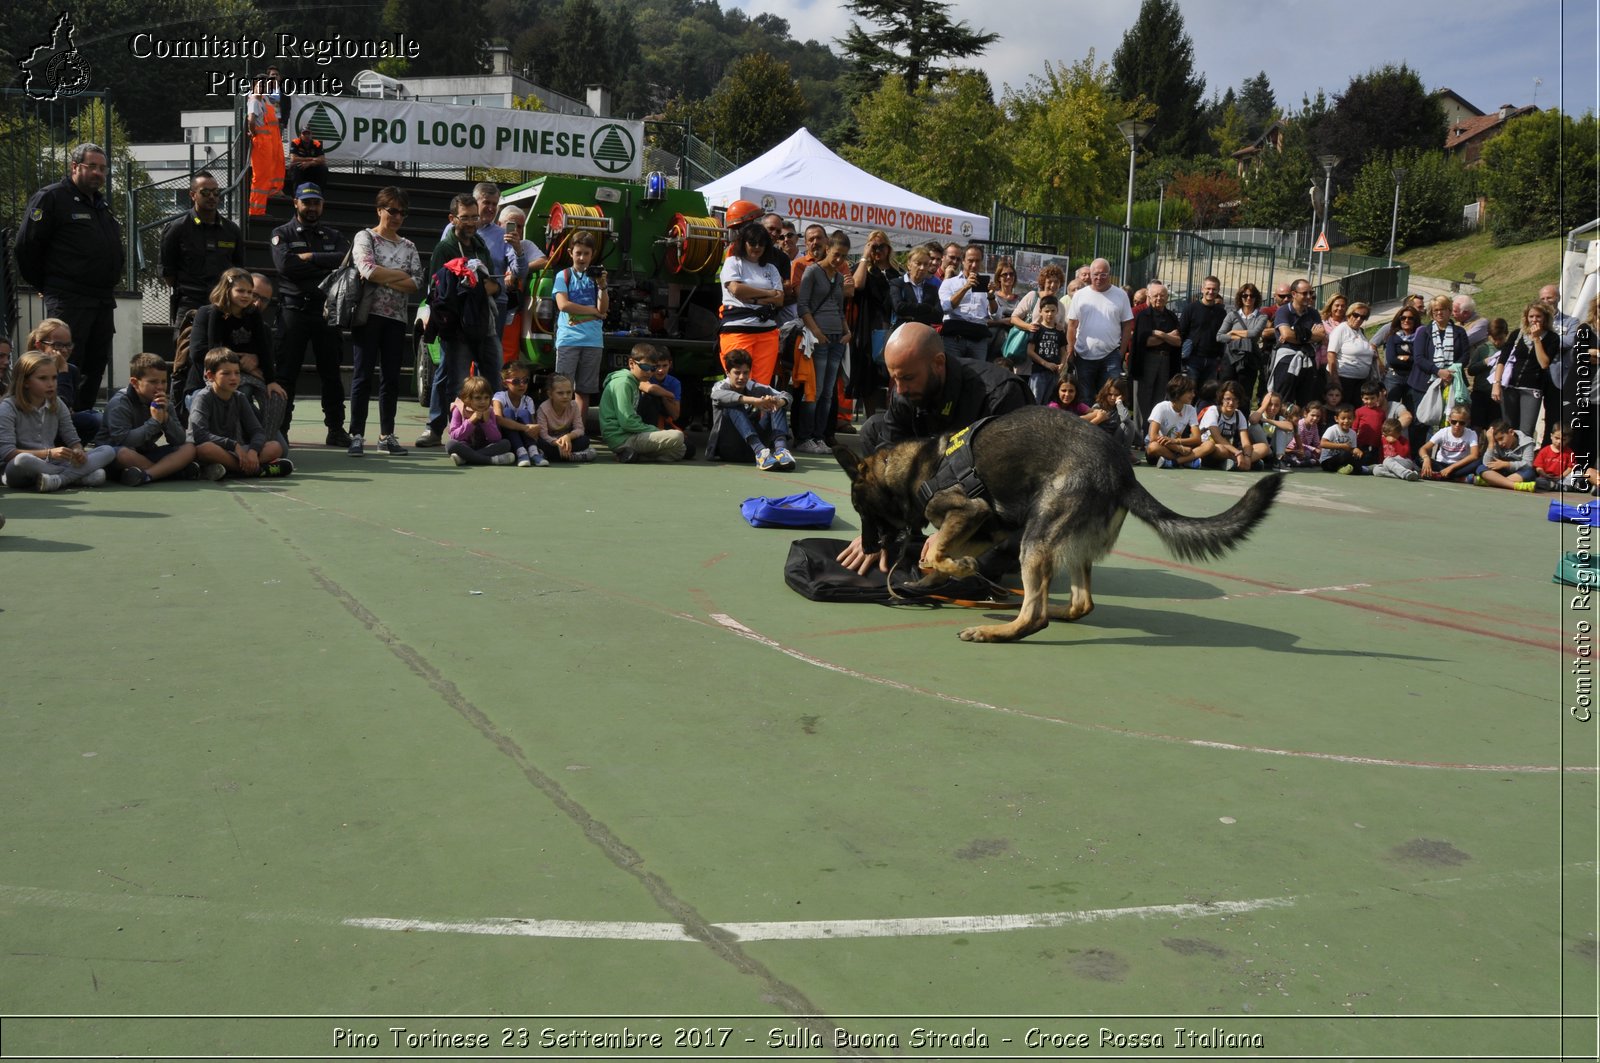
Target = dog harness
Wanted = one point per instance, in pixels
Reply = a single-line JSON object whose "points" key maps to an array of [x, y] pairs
{"points": [[956, 467]]}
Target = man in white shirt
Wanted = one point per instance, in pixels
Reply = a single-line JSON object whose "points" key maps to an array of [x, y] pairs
{"points": [[968, 304], [1099, 330]]}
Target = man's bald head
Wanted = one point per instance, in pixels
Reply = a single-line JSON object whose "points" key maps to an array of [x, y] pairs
{"points": [[914, 360]]}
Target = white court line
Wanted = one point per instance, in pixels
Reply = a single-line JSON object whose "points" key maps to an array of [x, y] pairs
{"points": [[1303, 590], [823, 929]]}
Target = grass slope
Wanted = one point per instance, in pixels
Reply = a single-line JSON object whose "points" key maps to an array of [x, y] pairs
{"points": [[1510, 277]]}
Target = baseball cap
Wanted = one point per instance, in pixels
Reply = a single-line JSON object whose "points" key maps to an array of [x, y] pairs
{"points": [[308, 191]]}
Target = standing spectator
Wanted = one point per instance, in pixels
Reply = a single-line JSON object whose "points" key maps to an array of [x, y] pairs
{"points": [[1243, 350], [583, 298], [261, 122], [1198, 326], [1351, 357], [790, 328], [305, 252], [1438, 346], [471, 337], [874, 277], [1565, 326], [752, 296], [1399, 349], [1300, 333], [1485, 356], [1465, 313], [1025, 315], [1099, 329], [968, 305], [1415, 303], [773, 223], [389, 263], [1155, 346], [196, 248], [1519, 378], [520, 285], [821, 303], [69, 246], [1046, 345], [1004, 293], [1333, 312], [915, 296], [502, 259]]}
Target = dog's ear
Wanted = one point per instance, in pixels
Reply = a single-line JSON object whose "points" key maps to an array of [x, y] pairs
{"points": [[848, 462]]}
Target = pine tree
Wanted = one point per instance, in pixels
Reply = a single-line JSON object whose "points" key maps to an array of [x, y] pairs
{"points": [[915, 35], [1156, 61]]}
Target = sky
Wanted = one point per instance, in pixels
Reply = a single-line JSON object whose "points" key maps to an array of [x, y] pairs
{"points": [[1488, 51]]}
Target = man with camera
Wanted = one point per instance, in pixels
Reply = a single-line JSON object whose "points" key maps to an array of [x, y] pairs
{"points": [[968, 305]]}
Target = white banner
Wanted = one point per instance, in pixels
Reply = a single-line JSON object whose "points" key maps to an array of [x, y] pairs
{"points": [[351, 128], [903, 225]]}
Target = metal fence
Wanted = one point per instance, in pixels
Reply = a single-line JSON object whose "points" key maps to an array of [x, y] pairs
{"points": [[1383, 284], [36, 138]]}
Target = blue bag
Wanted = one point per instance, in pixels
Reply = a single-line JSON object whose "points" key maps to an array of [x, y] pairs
{"points": [[804, 510], [1582, 513]]}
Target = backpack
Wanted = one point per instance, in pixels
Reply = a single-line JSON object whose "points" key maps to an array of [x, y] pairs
{"points": [[180, 350], [456, 303]]}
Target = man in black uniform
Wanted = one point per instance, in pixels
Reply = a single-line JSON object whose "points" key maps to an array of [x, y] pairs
{"points": [[305, 252], [197, 247], [932, 395], [307, 160], [70, 248]]}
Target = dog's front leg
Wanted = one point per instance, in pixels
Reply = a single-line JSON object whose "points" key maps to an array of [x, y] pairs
{"points": [[957, 519], [1038, 567]]}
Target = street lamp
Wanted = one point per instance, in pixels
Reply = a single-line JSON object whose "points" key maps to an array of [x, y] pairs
{"points": [[1394, 219], [1134, 131], [1161, 183], [1328, 163]]}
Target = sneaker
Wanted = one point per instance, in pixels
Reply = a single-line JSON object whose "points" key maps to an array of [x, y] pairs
{"points": [[1470, 479], [585, 455], [1411, 474], [338, 437], [190, 471], [1544, 483], [765, 461], [785, 459], [524, 463], [49, 481], [357, 446], [281, 467], [95, 479], [134, 478], [537, 457], [1228, 465], [813, 446], [1526, 485], [390, 445], [430, 438], [688, 451], [1195, 464], [1346, 470], [458, 459], [1166, 463], [624, 454], [507, 458], [213, 471]]}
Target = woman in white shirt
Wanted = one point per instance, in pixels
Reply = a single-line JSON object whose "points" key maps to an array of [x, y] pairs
{"points": [[752, 294], [1351, 355]]}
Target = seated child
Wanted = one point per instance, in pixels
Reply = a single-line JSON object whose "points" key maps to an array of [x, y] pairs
{"points": [[515, 416], [227, 435], [628, 436], [661, 397], [1553, 464], [147, 433], [1110, 411], [1225, 432], [475, 437], [561, 434], [1340, 451], [1305, 449], [1273, 427], [1067, 395], [1453, 451], [39, 448], [1396, 451], [748, 414], [1173, 432], [1508, 459]]}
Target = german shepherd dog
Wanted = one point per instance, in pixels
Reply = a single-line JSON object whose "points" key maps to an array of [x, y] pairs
{"points": [[1065, 484]]}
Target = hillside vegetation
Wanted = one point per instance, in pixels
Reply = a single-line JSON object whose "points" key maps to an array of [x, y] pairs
{"points": [[1509, 277]]}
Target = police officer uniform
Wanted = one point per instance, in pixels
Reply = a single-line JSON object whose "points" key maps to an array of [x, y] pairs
{"points": [[70, 248], [194, 253], [300, 319]]}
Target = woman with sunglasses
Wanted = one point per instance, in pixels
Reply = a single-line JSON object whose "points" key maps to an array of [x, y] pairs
{"points": [[1005, 304], [1351, 356], [1397, 355], [390, 265], [874, 304], [1244, 349]]}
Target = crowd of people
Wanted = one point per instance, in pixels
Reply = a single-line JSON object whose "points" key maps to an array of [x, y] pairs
{"points": [[917, 343]]}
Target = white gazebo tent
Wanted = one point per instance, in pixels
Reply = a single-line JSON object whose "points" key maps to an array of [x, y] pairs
{"points": [[805, 182]]}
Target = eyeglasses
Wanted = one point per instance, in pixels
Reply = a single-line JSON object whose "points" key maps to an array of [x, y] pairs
{"points": [[57, 346], [1408, 317], [396, 212], [1356, 316], [208, 191], [1283, 297], [1458, 424], [649, 367]]}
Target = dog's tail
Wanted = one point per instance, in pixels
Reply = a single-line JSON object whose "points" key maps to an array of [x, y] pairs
{"points": [[1203, 538]]}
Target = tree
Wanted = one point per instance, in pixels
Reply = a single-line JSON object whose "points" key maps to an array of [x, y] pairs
{"points": [[1276, 189], [915, 35], [1068, 155], [1258, 105], [1381, 112], [955, 122], [583, 51], [1213, 197], [1155, 61], [1231, 131], [1431, 197], [1539, 176], [755, 106], [453, 45]]}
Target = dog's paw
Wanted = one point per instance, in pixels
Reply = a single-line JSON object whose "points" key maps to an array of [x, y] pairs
{"points": [[987, 633], [954, 567]]}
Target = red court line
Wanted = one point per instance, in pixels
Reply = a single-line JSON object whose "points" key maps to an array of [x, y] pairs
{"points": [[1363, 606]]}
